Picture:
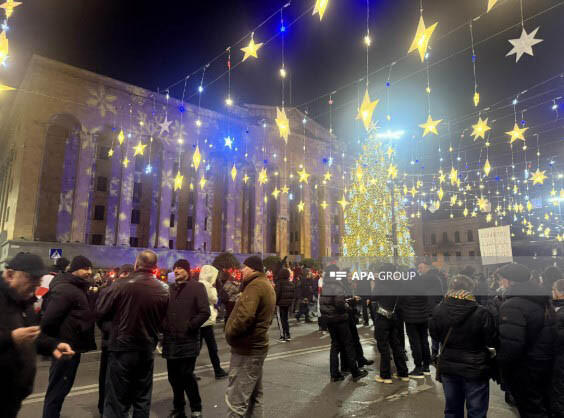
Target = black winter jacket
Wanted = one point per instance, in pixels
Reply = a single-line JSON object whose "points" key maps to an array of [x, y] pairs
{"points": [[106, 325], [305, 290], [285, 292], [188, 309], [18, 363], [526, 330], [557, 395], [137, 307], [332, 303], [465, 353], [70, 316], [433, 284]]}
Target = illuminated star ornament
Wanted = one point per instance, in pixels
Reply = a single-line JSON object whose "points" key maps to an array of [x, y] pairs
{"points": [[538, 177], [524, 44], [4, 47], [320, 6], [202, 182], [233, 172], [9, 7], [324, 205], [430, 126], [327, 176], [121, 137], [413, 191], [276, 192], [165, 125], [480, 128], [304, 175], [476, 99], [178, 181], [196, 158], [442, 178], [422, 38], [263, 176], [343, 202], [245, 178], [392, 171], [251, 49], [285, 189], [491, 4], [283, 123], [487, 167], [366, 110], [110, 153], [125, 162], [4, 87], [453, 176], [390, 152], [483, 204], [139, 149], [301, 206], [517, 133], [228, 142]]}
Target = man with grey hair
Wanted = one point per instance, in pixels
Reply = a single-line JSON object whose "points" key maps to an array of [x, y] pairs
{"points": [[137, 306]]}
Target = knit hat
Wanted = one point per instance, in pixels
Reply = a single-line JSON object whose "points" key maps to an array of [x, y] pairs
{"points": [[28, 263], [79, 262], [254, 262], [61, 264], [183, 264], [515, 272]]}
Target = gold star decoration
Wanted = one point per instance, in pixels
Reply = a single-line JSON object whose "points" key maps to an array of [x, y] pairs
{"points": [[178, 181], [430, 126], [422, 38], [263, 176], [517, 133], [489, 217], [538, 177], [4, 87], [343, 202], [125, 162], [327, 176], [320, 6], [480, 128], [285, 189], [233, 172], [121, 137], [110, 153], [476, 99], [301, 206], [366, 110], [442, 178], [139, 149], [324, 205], [245, 178], [483, 203], [251, 49], [487, 167], [283, 123], [413, 191], [304, 175], [392, 171], [275, 192], [390, 152], [468, 187], [553, 192], [202, 182], [453, 200], [196, 158], [4, 47], [440, 193], [453, 176], [9, 7], [405, 191], [491, 4], [465, 212]]}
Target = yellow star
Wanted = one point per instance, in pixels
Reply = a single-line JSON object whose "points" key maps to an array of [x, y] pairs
{"points": [[468, 187], [517, 133], [422, 38], [538, 177], [453, 176], [430, 126], [324, 205], [265, 199], [245, 178], [480, 128], [139, 149], [202, 182], [304, 175], [320, 6], [125, 162], [489, 217], [285, 189], [178, 181], [476, 99], [343, 202], [546, 216], [9, 7], [419, 184], [4, 47], [392, 171], [196, 158], [283, 123], [301, 206], [121, 137], [110, 153], [465, 212], [491, 4], [515, 189], [327, 176], [4, 87], [487, 167], [233, 172], [405, 191], [553, 192], [359, 172], [263, 176], [362, 189], [453, 200], [474, 214], [390, 152], [483, 203], [442, 178], [275, 192], [413, 191], [366, 110], [251, 49]]}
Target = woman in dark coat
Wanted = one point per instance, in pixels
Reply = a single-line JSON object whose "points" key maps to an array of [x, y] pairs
{"points": [[284, 297]]}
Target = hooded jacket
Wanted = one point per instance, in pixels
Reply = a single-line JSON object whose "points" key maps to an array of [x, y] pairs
{"points": [[70, 316], [557, 395], [208, 277], [466, 352], [332, 303]]}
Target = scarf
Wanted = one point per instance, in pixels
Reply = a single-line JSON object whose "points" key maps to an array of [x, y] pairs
{"points": [[461, 294]]}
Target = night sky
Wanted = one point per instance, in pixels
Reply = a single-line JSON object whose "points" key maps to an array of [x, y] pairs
{"points": [[155, 44]]}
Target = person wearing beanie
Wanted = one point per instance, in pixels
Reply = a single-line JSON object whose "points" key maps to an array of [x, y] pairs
{"points": [[70, 317], [208, 277], [188, 310], [526, 340], [246, 332], [61, 265]]}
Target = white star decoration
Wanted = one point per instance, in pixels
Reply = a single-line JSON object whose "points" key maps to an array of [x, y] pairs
{"points": [[165, 125], [524, 44]]}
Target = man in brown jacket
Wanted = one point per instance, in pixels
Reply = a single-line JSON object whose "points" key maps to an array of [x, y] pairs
{"points": [[247, 334]]}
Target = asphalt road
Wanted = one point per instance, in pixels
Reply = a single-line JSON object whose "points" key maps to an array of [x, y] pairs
{"points": [[296, 384]]}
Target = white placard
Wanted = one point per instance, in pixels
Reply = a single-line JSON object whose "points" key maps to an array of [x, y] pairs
{"points": [[495, 245]]}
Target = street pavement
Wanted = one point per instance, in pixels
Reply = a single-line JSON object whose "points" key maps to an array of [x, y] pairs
{"points": [[296, 384]]}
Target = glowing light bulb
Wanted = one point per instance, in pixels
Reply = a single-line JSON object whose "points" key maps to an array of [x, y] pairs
{"points": [[283, 72], [198, 123], [200, 89], [229, 101], [367, 40]]}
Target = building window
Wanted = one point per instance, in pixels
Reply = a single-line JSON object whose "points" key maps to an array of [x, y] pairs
{"points": [[133, 241], [433, 238], [137, 191], [190, 198], [457, 236], [135, 216], [99, 212], [472, 253], [138, 164], [96, 239], [206, 222], [445, 236], [470, 235], [190, 226], [205, 246], [172, 220], [171, 244], [173, 199], [458, 254], [102, 184], [103, 152]]}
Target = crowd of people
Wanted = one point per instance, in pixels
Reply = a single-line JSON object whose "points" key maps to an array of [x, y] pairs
{"points": [[510, 329]]}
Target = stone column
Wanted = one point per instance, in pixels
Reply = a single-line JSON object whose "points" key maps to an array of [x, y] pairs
{"points": [[282, 223], [125, 201], [305, 223], [325, 223], [113, 198], [233, 216], [82, 188], [162, 230], [69, 183], [258, 244]]}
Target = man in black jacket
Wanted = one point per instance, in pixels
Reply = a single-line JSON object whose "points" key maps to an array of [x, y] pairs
{"points": [[69, 316], [188, 309], [20, 337], [526, 341], [284, 297], [137, 307]]}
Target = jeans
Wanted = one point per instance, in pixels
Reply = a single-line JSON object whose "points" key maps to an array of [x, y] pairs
{"points": [[129, 384], [282, 316], [304, 310], [419, 341], [181, 378], [358, 351], [206, 333], [458, 390], [386, 332], [341, 342], [102, 380], [61, 378], [244, 395]]}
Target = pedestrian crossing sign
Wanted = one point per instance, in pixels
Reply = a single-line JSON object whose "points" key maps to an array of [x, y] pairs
{"points": [[55, 253]]}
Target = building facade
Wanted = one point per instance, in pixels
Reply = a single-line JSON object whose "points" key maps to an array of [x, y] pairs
{"points": [[61, 186]]}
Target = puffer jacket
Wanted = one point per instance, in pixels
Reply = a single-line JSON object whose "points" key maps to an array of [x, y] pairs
{"points": [[285, 292], [208, 277], [527, 328], [70, 316], [332, 305], [465, 353], [416, 306], [557, 391]]}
